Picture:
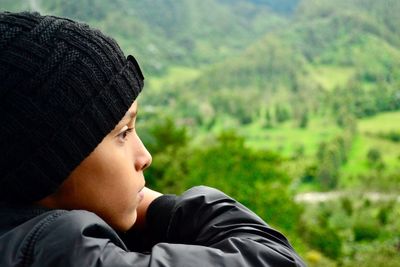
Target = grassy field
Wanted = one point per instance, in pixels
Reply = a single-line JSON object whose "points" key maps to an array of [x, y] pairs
{"points": [[176, 75], [387, 121], [289, 139], [330, 77], [368, 138]]}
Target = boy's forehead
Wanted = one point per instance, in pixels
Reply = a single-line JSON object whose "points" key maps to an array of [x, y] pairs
{"points": [[130, 114], [132, 110]]}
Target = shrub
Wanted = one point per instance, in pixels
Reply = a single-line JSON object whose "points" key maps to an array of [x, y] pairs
{"points": [[326, 240], [374, 156], [365, 229]]}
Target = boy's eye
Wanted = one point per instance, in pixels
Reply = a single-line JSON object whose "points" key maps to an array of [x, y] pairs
{"points": [[123, 135]]}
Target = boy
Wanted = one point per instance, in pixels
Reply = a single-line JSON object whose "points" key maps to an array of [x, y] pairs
{"points": [[72, 189]]}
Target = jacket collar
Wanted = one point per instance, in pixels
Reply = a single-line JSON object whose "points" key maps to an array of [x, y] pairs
{"points": [[14, 215]]}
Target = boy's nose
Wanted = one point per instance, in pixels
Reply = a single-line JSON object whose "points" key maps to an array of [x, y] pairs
{"points": [[147, 159], [143, 157]]}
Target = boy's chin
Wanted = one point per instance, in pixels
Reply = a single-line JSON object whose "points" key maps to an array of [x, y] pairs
{"points": [[126, 224]]}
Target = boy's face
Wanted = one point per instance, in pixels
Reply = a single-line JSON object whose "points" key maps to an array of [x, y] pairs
{"points": [[109, 181]]}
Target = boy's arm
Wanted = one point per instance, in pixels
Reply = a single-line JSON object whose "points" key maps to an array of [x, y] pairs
{"points": [[207, 217], [149, 196], [202, 227]]}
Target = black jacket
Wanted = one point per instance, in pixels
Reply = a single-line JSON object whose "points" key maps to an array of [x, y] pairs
{"points": [[203, 227]]}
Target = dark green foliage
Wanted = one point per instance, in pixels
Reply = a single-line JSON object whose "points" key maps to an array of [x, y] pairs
{"points": [[328, 165], [320, 235], [374, 156], [345, 119], [383, 214], [164, 140], [252, 177], [376, 253], [325, 240], [350, 230], [375, 160], [310, 174], [347, 206], [329, 159], [328, 174], [165, 134], [281, 113], [304, 119], [298, 151], [365, 229], [392, 136], [378, 180], [268, 120], [354, 100]]}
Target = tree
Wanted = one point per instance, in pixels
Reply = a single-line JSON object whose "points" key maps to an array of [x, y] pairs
{"points": [[281, 113], [268, 119], [167, 144], [304, 119], [374, 158]]}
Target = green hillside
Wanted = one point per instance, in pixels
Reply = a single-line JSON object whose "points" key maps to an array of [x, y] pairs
{"points": [[300, 62], [165, 33]]}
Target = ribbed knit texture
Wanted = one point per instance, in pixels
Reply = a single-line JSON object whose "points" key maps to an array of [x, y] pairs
{"points": [[63, 87]]}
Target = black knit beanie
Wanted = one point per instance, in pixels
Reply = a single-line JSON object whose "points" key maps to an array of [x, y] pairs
{"points": [[63, 87]]}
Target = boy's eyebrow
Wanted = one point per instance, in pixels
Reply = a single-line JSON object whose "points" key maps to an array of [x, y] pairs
{"points": [[128, 115]]}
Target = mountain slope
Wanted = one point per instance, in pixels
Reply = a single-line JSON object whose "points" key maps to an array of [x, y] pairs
{"points": [[164, 33], [285, 66]]}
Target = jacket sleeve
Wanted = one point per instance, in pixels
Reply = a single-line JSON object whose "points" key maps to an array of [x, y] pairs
{"points": [[204, 228]]}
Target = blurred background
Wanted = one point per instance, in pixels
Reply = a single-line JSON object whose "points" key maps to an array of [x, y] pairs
{"points": [[290, 106]]}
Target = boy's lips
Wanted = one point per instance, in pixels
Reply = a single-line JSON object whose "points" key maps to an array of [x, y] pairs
{"points": [[141, 194]]}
